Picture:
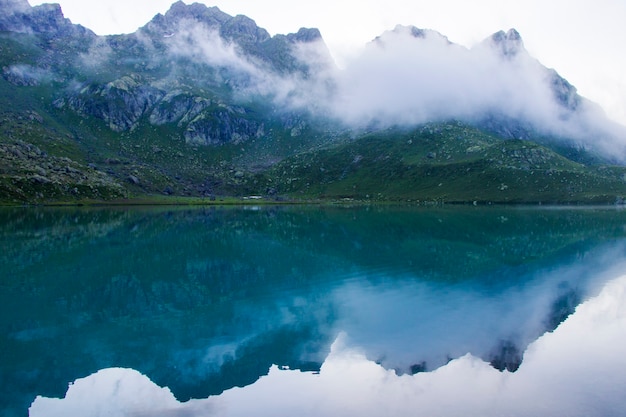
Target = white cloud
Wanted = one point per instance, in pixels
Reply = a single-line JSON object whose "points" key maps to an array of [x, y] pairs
{"points": [[406, 80], [204, 45]]}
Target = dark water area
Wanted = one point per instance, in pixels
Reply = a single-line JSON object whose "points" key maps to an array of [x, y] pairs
{"points": [[161, 311]]}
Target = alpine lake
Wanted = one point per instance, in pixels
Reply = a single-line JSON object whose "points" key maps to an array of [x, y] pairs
{"points": [[313, 311]]}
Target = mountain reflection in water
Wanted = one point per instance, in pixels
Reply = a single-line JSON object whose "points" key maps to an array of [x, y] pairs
{"points": [[202, 301], [576, 371]]}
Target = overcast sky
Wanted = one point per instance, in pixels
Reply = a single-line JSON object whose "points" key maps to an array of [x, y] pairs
{"points": [[582, 39]]}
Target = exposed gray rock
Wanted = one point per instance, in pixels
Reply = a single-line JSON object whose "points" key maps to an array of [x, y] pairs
{"points": [[179, 11], [48, 19], [564, 93], [40, 179], [243, 29], [509, 43], [198, 105], [33, 175], [176, 107], [120, 103], [220, 127], [305, 35]]}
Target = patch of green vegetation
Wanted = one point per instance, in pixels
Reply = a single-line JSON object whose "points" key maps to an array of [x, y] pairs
{"points": [[449, 162]]}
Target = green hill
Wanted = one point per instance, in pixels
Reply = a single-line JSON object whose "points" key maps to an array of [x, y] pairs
{"points": [[448, 162]]}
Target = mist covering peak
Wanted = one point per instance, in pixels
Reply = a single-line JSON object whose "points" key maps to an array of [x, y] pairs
{"points": [[509, 43]]}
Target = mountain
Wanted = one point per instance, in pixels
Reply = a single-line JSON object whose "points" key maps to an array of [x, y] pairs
{"points": [[578, 117], [200, 103]]}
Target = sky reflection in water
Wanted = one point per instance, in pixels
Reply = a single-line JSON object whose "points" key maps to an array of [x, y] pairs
{"points": [[578, 370], [204, 301]]}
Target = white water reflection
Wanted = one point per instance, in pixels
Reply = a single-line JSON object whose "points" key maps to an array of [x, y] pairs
{"points": [[577, 370]]}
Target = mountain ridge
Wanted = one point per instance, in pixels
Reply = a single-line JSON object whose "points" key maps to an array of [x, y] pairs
{"points": [[198, 103]]}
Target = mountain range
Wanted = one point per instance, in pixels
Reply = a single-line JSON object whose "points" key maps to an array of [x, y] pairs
{"points": [[201, 104]]}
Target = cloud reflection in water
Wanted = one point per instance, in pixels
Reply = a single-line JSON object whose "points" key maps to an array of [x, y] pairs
{"points": [[577, 370]]}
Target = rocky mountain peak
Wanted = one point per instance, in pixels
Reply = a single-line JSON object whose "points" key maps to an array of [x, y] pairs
{"points": [[244, 29], [508, 43], [171, 21], [47, 19], [240, 28], [198, 12], [305, 35], [412, 31]]}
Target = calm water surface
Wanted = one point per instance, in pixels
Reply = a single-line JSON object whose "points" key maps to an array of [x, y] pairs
{"points": [[313, 312]]}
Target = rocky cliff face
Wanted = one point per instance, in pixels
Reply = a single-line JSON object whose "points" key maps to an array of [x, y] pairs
{"points": [[120, 103], [182, 69], [509, 44], [222, 126], [46, 19]]}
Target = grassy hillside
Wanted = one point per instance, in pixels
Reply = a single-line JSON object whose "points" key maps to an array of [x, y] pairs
{"points": [[449, 162]]}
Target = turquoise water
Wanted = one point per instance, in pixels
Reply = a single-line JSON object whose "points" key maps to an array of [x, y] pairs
{"points": [[189, 304]]}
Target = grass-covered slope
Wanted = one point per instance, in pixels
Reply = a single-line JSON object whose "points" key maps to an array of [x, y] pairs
{"points": [[449, 162]]}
